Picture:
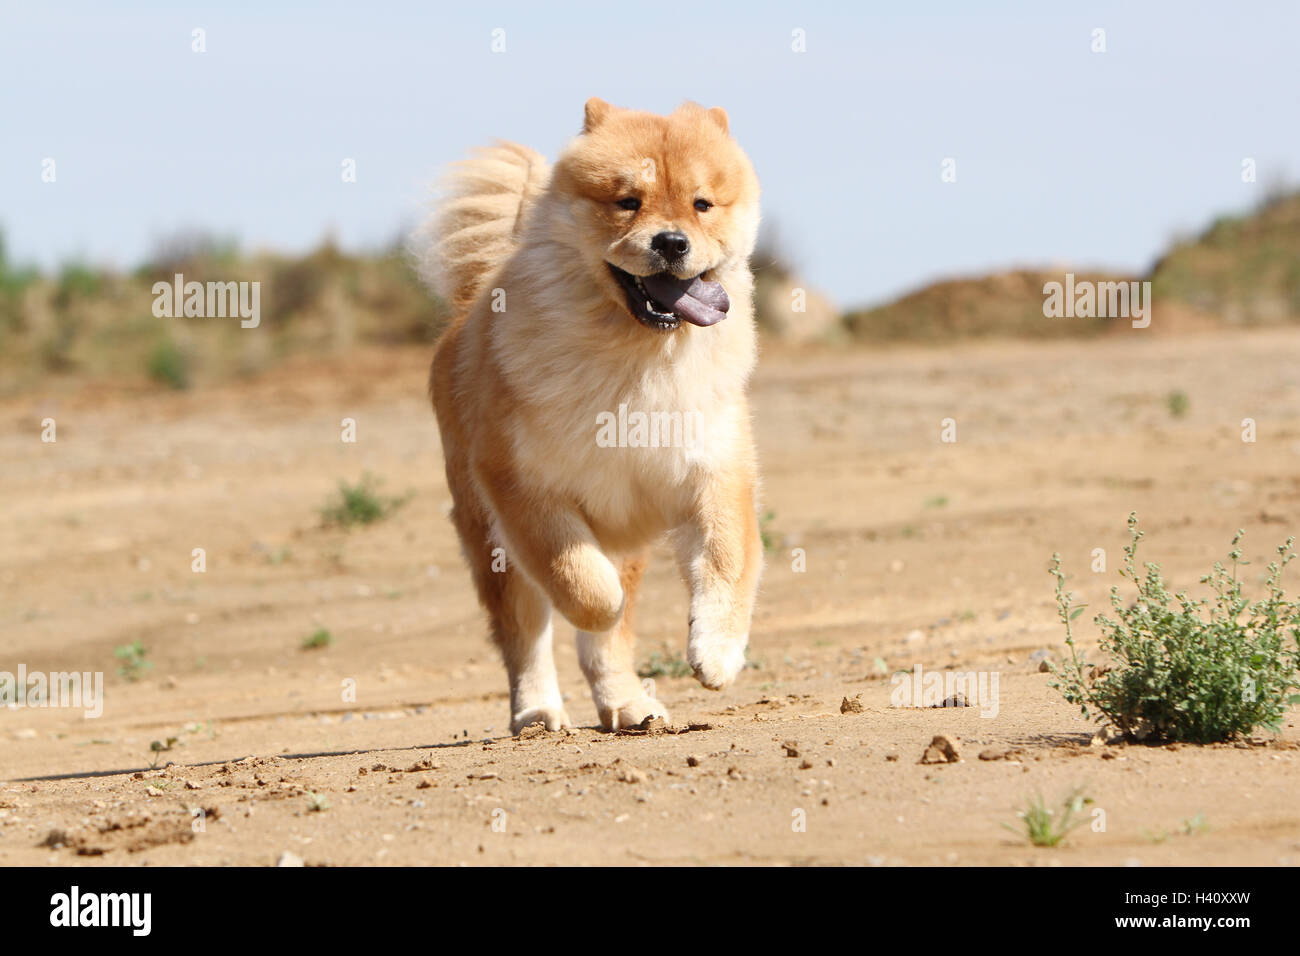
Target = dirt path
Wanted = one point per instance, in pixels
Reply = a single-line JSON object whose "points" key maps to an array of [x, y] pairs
{"points": [[917, 552]]}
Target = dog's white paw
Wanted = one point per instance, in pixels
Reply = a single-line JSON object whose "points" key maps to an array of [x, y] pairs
{"points": [[716, 661], [552, 717], [630, 713]]}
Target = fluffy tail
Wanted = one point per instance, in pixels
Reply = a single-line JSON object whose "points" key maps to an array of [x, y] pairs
{"points": [[477, 221]]}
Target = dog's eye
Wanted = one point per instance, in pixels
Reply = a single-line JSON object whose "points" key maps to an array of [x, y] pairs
{"points": [[703, 205], [630, 203]]}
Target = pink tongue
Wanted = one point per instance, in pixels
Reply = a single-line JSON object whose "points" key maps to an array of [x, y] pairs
{"points": [[696, 301]]}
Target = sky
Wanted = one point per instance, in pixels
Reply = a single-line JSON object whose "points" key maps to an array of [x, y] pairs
{"points": [[1063, 156]]}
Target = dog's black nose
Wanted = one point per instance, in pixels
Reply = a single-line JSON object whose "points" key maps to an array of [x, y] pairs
{"points": [[671, 245]]}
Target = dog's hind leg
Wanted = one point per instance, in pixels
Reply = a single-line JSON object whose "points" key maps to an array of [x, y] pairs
{"points": [[520, 620], [607, 659]]}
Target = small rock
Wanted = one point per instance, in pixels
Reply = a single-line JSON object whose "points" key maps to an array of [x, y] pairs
{"points": [[1104, 735], [853, 706], [693, 761], [289, 859], [940, 750], [56, 839], [791, 747], [956, 700]]}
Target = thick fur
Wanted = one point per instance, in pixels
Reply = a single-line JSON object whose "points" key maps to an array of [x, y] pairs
{"points": [[542, 343], [477, 225]]}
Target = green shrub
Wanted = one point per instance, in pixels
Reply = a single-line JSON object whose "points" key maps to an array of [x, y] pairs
{"points": [[169, 365], [1182, 669], [359, 504], [76, 281]]}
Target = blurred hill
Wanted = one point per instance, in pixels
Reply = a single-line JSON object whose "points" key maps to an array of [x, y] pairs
{"points": [[1240, 271], [1243, 269], [101, 324], [1005, 304]]}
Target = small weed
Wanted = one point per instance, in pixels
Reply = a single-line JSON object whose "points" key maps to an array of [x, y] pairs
{"points": [[160, 747], [360, 503], [1048, 826], [319, 638], [768, 536], [316, 802], [133, 666], [665, 664], [1190, 827], [938, 501], [1177, 403]]}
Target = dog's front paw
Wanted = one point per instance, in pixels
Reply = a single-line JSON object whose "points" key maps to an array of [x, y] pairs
{"points": [[552, 718], [630, 713], [716, 661]]}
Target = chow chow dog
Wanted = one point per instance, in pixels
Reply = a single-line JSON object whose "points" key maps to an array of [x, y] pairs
{"points": [[612, 284]]}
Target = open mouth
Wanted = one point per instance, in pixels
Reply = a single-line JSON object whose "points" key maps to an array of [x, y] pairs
{"points": [[662, 301]]}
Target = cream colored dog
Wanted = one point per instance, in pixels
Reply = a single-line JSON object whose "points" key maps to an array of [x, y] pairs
{"points": [[614, 287]]}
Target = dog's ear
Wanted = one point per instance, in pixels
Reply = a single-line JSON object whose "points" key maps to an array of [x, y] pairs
{"points": [[594, 113], [717, 114]]}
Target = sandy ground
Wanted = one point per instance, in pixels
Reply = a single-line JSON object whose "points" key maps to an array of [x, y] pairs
{"points": [[917, 552]]}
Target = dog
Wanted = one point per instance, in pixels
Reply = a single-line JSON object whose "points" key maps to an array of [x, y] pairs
{"points": [[616, 280]]}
